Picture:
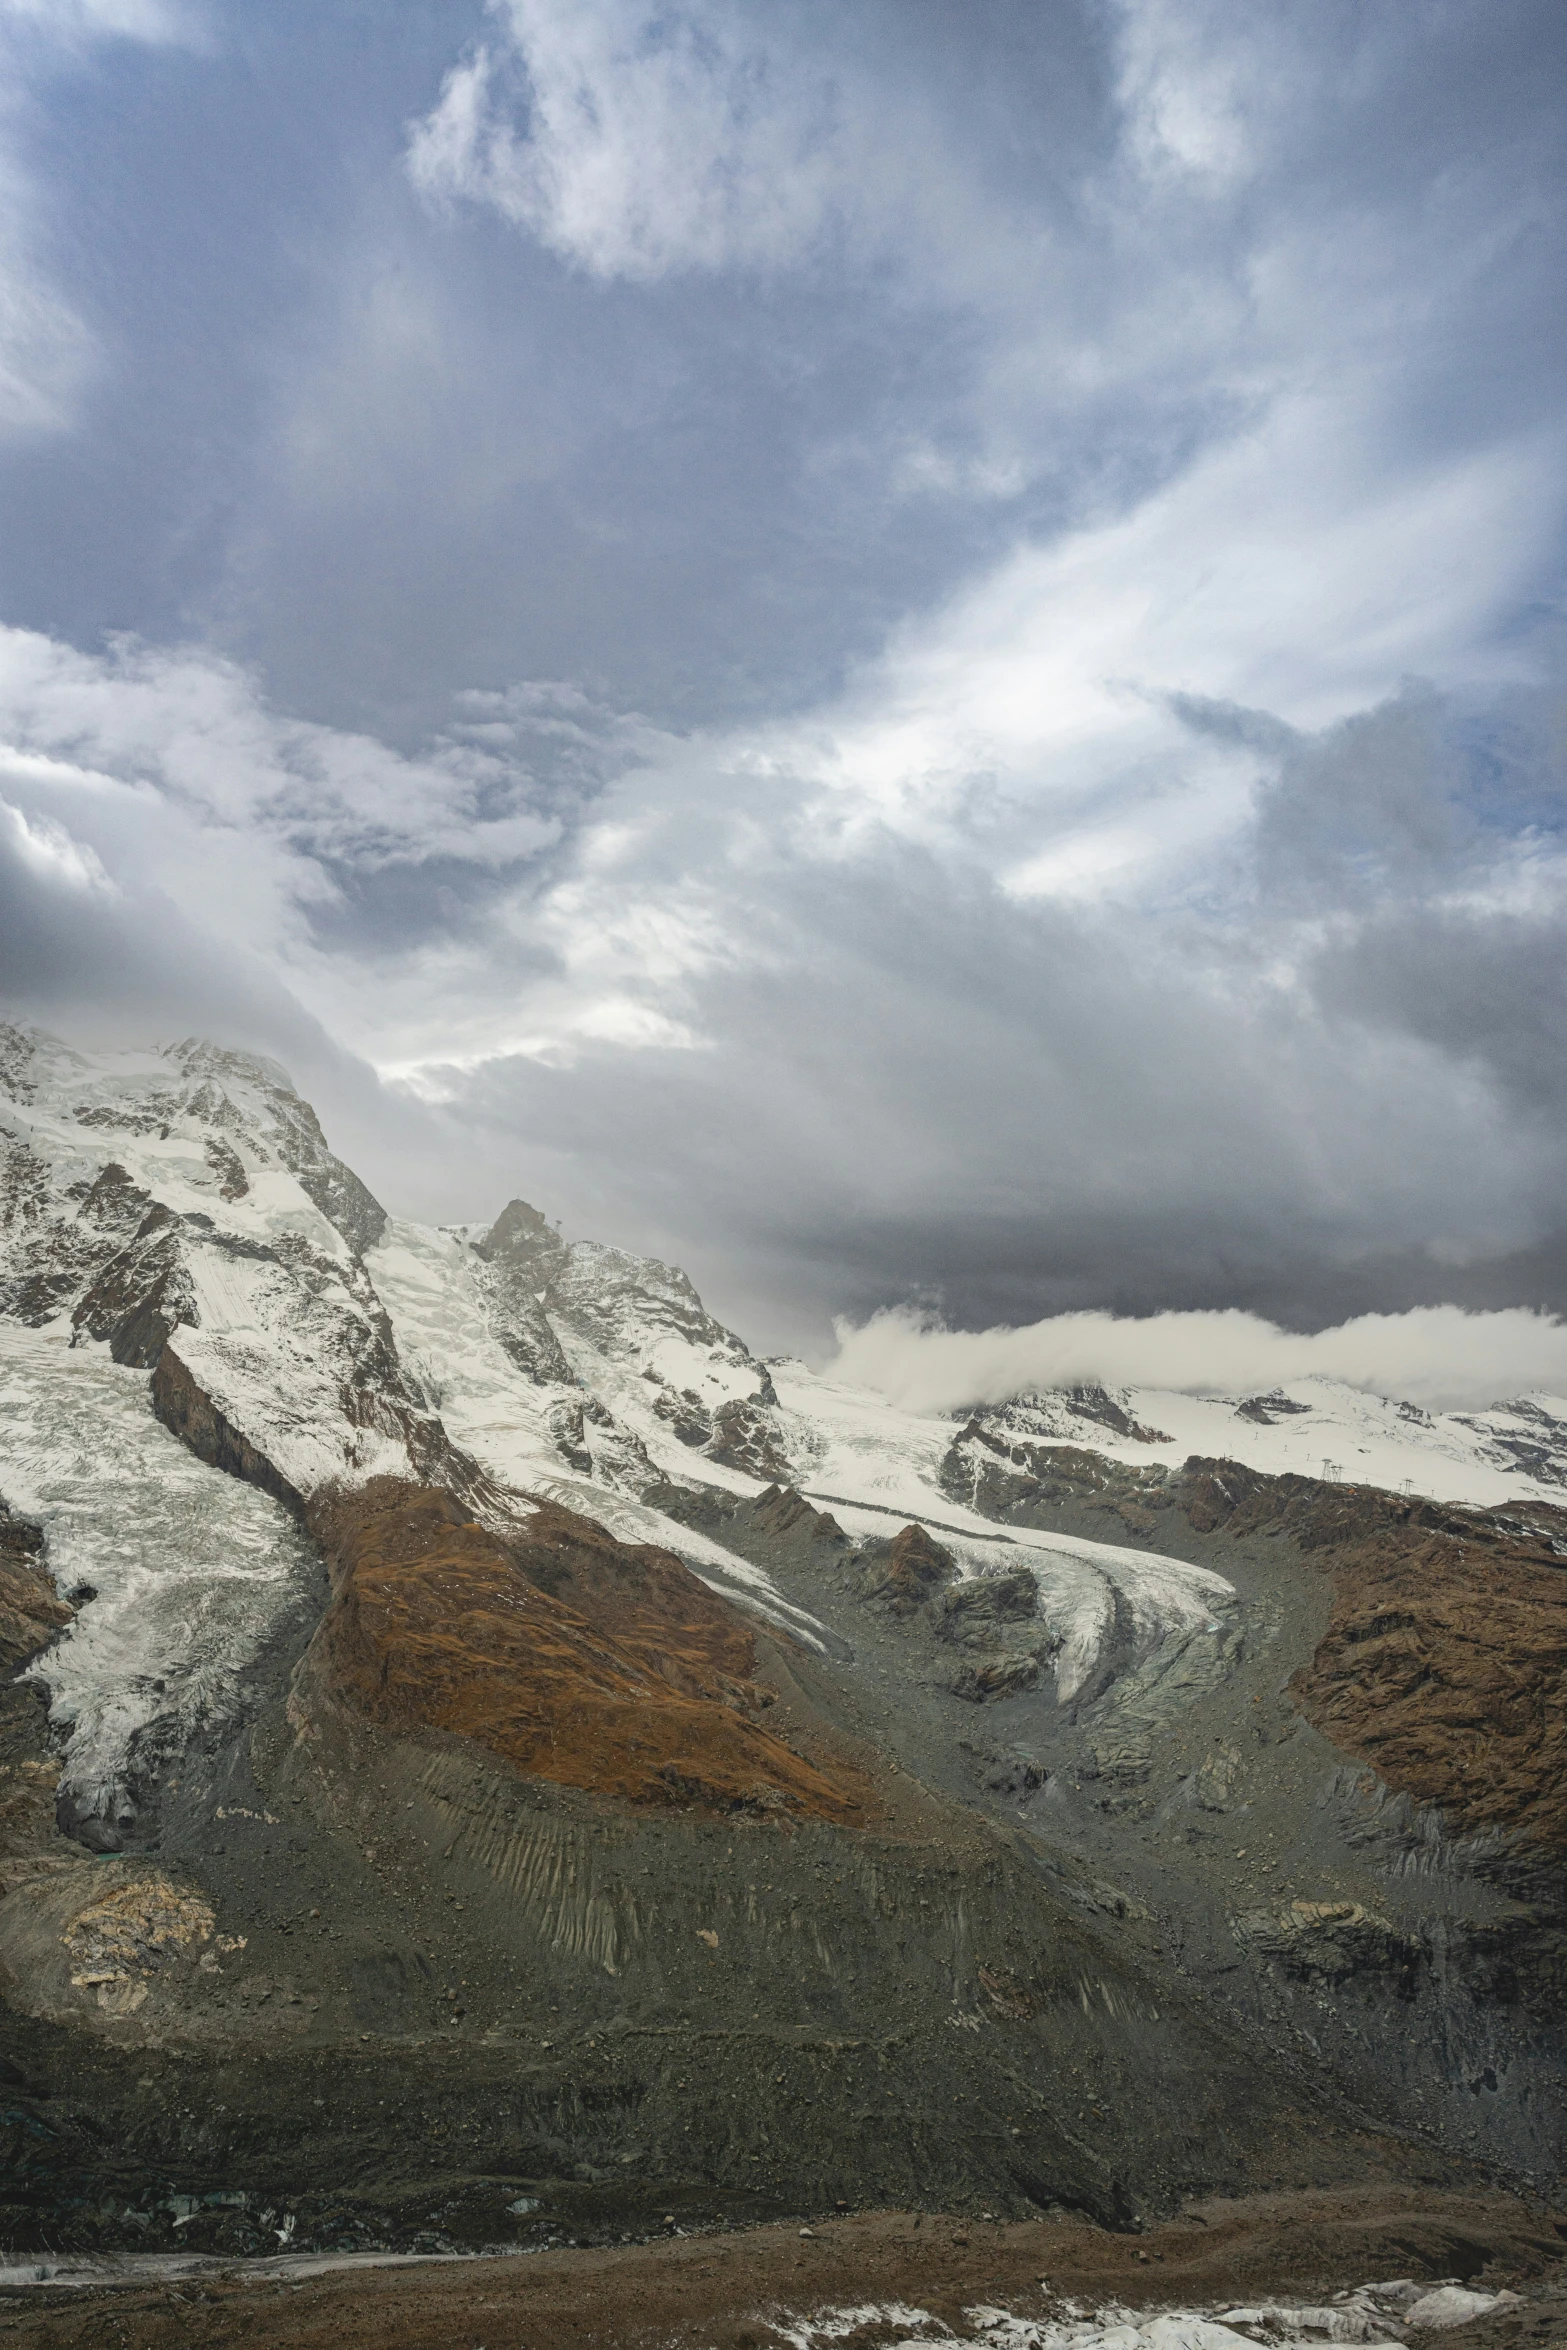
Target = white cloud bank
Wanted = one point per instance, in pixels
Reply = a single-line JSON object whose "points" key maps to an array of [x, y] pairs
{"points": [[1436, 1356]]}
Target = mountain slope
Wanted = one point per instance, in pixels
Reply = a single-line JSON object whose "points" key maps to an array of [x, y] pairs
{"points": [[516, 1749]]}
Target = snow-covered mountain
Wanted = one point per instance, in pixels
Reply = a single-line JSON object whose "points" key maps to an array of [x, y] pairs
{"points": [[179, 1211], [419, 1625]]}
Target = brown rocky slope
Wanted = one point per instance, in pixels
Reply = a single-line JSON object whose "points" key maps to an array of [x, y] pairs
{"points": [[31, 1613], [577, 1658], [1444, 1665]]}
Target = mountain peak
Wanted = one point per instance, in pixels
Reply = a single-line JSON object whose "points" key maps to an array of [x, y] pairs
{"points": [[519, 1234]]}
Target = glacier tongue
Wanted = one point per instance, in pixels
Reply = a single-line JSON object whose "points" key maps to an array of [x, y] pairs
{"points": [[621, 1352], [192, 1571]]}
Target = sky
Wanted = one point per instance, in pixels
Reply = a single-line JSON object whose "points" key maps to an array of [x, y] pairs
{"points": [[913, 655]]}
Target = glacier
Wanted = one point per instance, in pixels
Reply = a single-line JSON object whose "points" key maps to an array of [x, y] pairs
{"points": [[191, 1573]]}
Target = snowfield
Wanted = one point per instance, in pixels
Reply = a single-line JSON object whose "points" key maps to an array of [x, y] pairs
{"points": [[1321, 1427]]}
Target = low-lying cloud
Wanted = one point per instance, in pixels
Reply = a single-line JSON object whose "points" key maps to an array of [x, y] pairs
{"points": [[1436, 1356]]}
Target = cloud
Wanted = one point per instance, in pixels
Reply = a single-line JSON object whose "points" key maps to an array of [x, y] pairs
{"points": [[734, 1000], [1437, 1356], [811, 317], [156, 21], [47, 850], [1054, 654], [48, 352], [237, 844], [187, 730], [652, 140], [868, 1065]]}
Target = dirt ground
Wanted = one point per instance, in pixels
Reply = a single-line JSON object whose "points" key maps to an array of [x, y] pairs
{"points": [[729, 2291]]}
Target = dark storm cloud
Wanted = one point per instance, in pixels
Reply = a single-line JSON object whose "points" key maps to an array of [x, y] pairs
{"points": [[1428, 835], [1490, 989]]}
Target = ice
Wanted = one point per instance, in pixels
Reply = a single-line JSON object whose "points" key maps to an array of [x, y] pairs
{"points": [[492, 1410], [1356, 1438], [193, 1571], [877, 1469], [1455, 2305]]}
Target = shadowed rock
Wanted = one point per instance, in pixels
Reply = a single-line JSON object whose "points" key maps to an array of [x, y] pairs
{"points": [[905, 1571], [970, 1612]]}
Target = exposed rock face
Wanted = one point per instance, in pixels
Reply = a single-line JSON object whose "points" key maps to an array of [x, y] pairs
{"points": [[993, 1618], [745, 1436], [984, 1616], [188, 1411], [187, 1199], [142, 1295], [1003, 1450], [996, 1674], [1110, 1411], [128, 1932], [997, 1464], [972, 1612], [31, 1610], [1328, 1941], [590, 1440], [556, 1304], [685, 1415], [1445, 1660], [526, 1243], [235, 1109], [789, 1519], [906, 1571], [1424, 1642], [291, 1129], [521, 1254], [577, 1658], [778, 1526], [1265, 1410], [31, 1614], [619, 1301], [1522, 1435]]}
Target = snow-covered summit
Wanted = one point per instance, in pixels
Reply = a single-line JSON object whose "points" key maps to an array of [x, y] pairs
{"points": [[182, 1208], [187, 1197], [1316, 1427], [179, 1213]]}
